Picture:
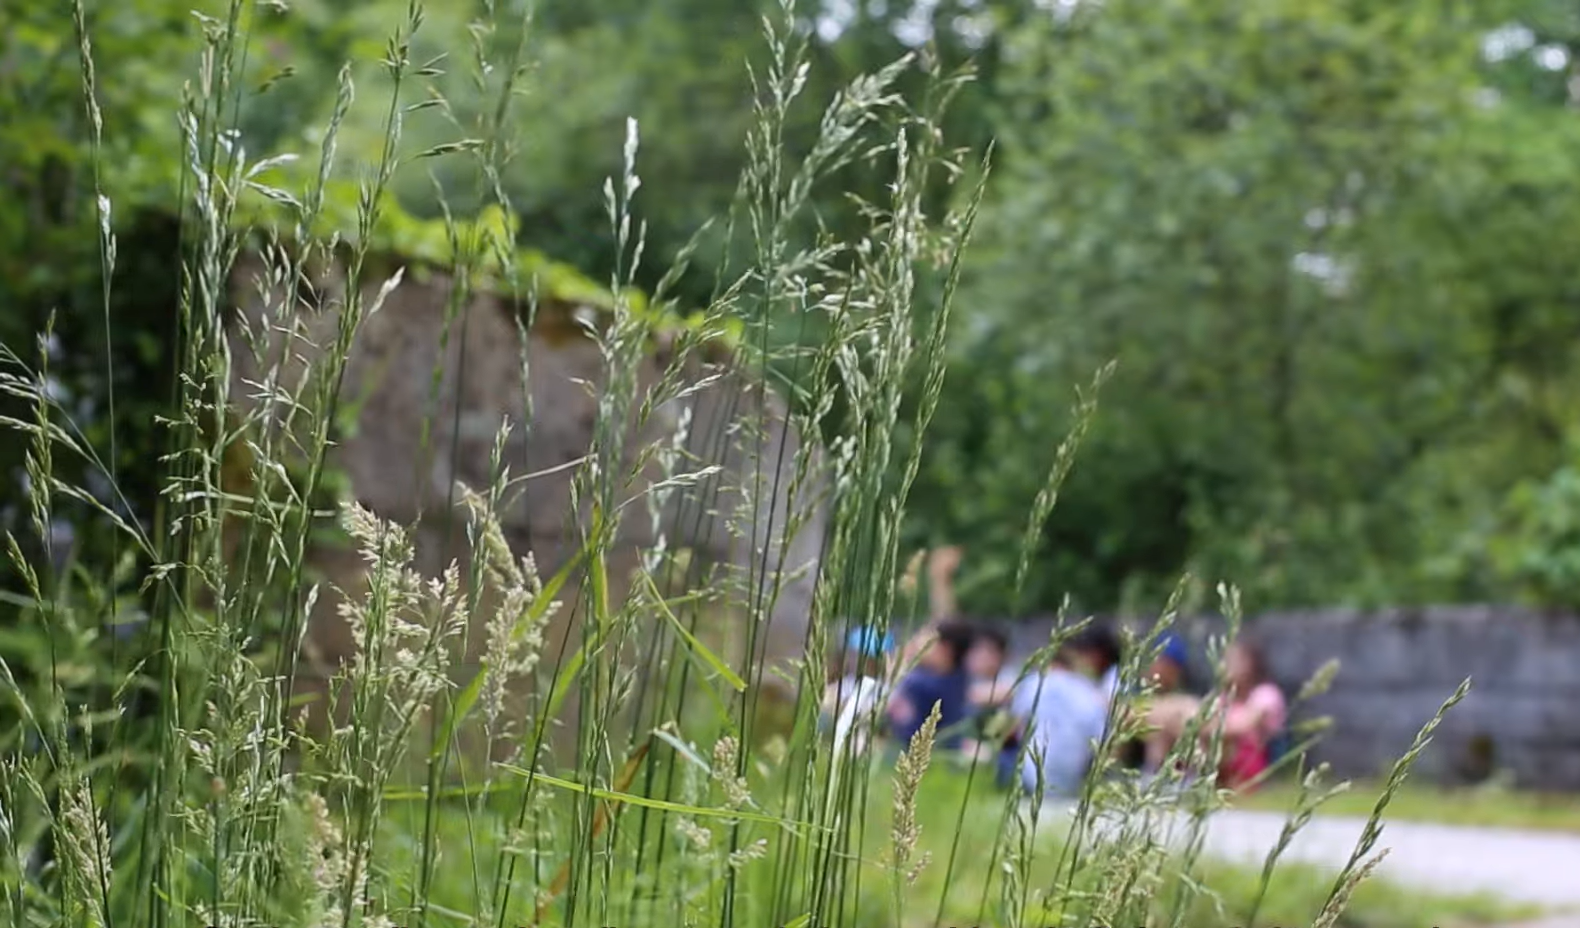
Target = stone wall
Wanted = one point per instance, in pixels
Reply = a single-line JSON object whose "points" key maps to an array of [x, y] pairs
{"points": [[549, 387], [1521, 719]]}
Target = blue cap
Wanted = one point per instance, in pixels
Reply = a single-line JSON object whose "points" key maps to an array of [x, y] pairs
{"points": [[1173, 647], [869, 642]]}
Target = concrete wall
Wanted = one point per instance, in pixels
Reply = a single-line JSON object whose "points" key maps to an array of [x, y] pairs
{"points": [[1521, 719]]}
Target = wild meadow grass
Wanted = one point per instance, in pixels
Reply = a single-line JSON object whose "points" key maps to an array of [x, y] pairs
{"points": [[193, 787]]}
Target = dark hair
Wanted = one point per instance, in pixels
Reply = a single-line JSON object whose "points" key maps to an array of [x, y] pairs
{"points": [[1253, 654], [957, 636], [1101, 640], [837, 662], [992, 634]]}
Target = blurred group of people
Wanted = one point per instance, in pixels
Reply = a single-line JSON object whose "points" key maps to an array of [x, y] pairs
{"points": [[1042, 723]]}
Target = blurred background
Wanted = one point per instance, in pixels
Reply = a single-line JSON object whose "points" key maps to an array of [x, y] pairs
{"points": [[1328, 243]]}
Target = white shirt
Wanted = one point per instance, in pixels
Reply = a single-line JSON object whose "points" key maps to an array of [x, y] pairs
{"points": [[862, 697], [1109, 684]]}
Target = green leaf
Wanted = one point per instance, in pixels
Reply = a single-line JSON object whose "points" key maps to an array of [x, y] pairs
{"points": [[662, 805], [683, 749], [698, 650]]}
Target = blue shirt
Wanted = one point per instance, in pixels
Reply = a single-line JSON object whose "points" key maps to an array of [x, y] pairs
{"points": [[924, 688], [1065, 714]]}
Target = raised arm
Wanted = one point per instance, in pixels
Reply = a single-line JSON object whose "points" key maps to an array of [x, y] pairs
{"points": [[941, 567]]}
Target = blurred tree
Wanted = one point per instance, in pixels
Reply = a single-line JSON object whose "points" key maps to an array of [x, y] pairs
{"points": [[1329, 244], [49, 227], [1321, 247], [679, 67]]}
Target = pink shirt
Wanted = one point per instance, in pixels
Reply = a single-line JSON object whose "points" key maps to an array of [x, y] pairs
{"points": [[1265, 703], [1255, 720]]}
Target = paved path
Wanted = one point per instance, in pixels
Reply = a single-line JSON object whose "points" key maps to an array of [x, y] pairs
{"points": [[1523, 866], [1540, 868]]}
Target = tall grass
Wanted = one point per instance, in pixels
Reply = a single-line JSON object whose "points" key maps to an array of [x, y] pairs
{"points": [[469, 769]]}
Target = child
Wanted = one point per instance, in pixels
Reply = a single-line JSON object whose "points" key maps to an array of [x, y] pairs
{"points": [[991, 679], [992, 684], [859, 693], [940, 675], [1171, 708], [1063, 716], [939, 678], [1097, 649], [1254, 714]]}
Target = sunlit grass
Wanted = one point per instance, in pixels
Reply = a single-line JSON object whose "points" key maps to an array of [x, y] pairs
{"points": [[965, 896], [1492, 806]]}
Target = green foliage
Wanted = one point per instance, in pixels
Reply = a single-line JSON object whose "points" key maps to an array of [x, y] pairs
{"points": [[429, 244], [1539, 547], [1333, 269], [71, 644], [1328, 246]]}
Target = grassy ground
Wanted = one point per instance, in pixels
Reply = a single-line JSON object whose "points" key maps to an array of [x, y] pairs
{"points": [[962, 819], [1486, 807], [1295, 895]]}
